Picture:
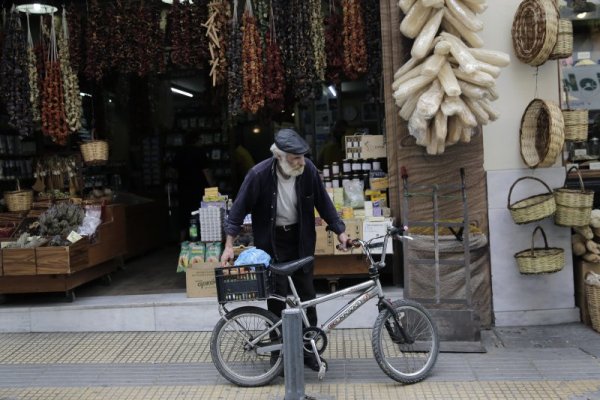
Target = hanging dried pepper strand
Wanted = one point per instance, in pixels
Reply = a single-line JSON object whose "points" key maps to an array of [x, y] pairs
{"points": [[14, 77], [274, 76], [34, 90], [54, 123], [148, 39], [334, 44], [317, 35], [234, 66], [96, 59], [73, 109], [355, 52], [74, 37], [373, 40], [304, 78], [252, 64]]}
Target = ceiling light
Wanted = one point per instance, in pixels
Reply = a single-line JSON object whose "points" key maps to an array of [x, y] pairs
{"points": [[182, 92], [332, 90], [36, 8], [293, 114], [84, 94], [256, 130]]}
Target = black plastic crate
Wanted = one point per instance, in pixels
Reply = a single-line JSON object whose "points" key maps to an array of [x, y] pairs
{"points": [[242, 283]]}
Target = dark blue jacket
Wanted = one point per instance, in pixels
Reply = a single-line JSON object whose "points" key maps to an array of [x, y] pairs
{"points": [[258, 196]]}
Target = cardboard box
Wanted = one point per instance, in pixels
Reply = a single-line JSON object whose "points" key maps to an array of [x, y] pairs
{"points": [[325, 241], [200, 280], [354, 231], [377, 227]]}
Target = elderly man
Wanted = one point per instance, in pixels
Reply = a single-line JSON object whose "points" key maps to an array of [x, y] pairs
{"points": [[281, 193]]}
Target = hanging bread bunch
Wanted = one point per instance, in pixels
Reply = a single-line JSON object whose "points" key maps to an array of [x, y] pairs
{"points": [[445, 89]]}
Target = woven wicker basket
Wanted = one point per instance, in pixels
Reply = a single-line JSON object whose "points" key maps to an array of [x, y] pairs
{"points": [[533, 208], [18, 200], [535, 30], [592, 293], [540, 260], [542, 133], [573, 206], [95, 152], [564, 41], [576, 125]]}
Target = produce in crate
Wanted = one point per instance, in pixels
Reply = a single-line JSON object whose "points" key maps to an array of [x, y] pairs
{"points": [[61, 219], [444, 90]]}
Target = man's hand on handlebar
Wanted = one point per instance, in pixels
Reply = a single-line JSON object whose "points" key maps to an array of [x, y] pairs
{"points": [[343, 239]]}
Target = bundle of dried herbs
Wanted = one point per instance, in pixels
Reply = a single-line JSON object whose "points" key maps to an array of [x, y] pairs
{"points": [[355, 51], [234, 65], [252, 63], [14, 77], [73, 109], [54, 123], [372, 17], [61, 219], [216, 31]]}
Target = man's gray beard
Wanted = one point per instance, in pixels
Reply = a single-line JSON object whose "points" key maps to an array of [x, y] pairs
{"points": [[288, 170]]}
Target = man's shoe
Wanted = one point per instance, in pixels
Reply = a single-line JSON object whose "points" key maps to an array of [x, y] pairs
{"points": [[311, 362]]}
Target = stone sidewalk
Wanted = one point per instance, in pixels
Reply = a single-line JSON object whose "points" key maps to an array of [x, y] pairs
{"points": [[549, 362]]}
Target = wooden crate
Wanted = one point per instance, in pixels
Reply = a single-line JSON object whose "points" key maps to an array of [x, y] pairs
{"points": [[62, 259], [18, 262], [110, 240]]}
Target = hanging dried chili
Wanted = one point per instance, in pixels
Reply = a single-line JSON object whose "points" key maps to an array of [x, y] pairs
{"points": [[189, 48], [304, 79], [318, 38], [252, 64], [32, 72], [74, 37], [14, 77], [149, 40], [96, 55], [274, 77], [234, 66], [334, 44], [73, 110], [373, 39], [355, 51]]}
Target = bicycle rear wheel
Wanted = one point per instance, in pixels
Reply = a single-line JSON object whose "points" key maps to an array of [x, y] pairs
{"points": [[406, 353], [233, 355]]}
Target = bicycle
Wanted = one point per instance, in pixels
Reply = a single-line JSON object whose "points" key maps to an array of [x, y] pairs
{"points": [[246, 343]]}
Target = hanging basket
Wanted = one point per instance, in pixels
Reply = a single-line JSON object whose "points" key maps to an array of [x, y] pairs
{"points": [[533, 208], [542, 133], [95, 152], [540, 260], [576, 125], [18, 200], [573, 206], [564, 40], [535, 31], [592, 293]]}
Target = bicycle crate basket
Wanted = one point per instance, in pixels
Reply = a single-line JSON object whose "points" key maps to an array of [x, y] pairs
{"points": [[573, 206], [533, 208], [242, 283], [592, 293], [540, 260]]}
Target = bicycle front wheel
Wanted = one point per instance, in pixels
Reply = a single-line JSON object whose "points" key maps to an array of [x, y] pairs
{"points": [[233, 353], [406, 349]]}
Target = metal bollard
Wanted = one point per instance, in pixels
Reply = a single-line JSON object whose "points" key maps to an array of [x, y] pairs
{"points": [[293, 361]]}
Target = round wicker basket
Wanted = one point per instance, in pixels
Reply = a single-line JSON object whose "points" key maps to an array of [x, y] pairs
{"points": [[95, 152], [593, 302], [576, 125], [542, 133], [535, 31], [540, 260], [533, 208], [564, 41], [573, 206], [19, 200]]}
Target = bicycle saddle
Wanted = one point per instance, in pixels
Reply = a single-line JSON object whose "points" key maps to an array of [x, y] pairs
{"points": [[289, 267]]}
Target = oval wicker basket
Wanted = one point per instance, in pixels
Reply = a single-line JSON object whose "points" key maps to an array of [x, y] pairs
{"points": [[535, 30], [592, 293], [95, 152], [573, 206], [19, 200], [540, 260], [542, 133], [533, 208], [564, 40], [576, 125]]}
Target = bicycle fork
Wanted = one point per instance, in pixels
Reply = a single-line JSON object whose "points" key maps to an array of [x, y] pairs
{"points": [[397, 332]]}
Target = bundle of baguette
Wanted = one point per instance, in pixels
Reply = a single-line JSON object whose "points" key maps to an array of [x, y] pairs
{"points": [[444, 90]]}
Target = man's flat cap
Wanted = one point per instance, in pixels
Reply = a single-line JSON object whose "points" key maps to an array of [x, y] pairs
{"points": [[289, 141]]}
